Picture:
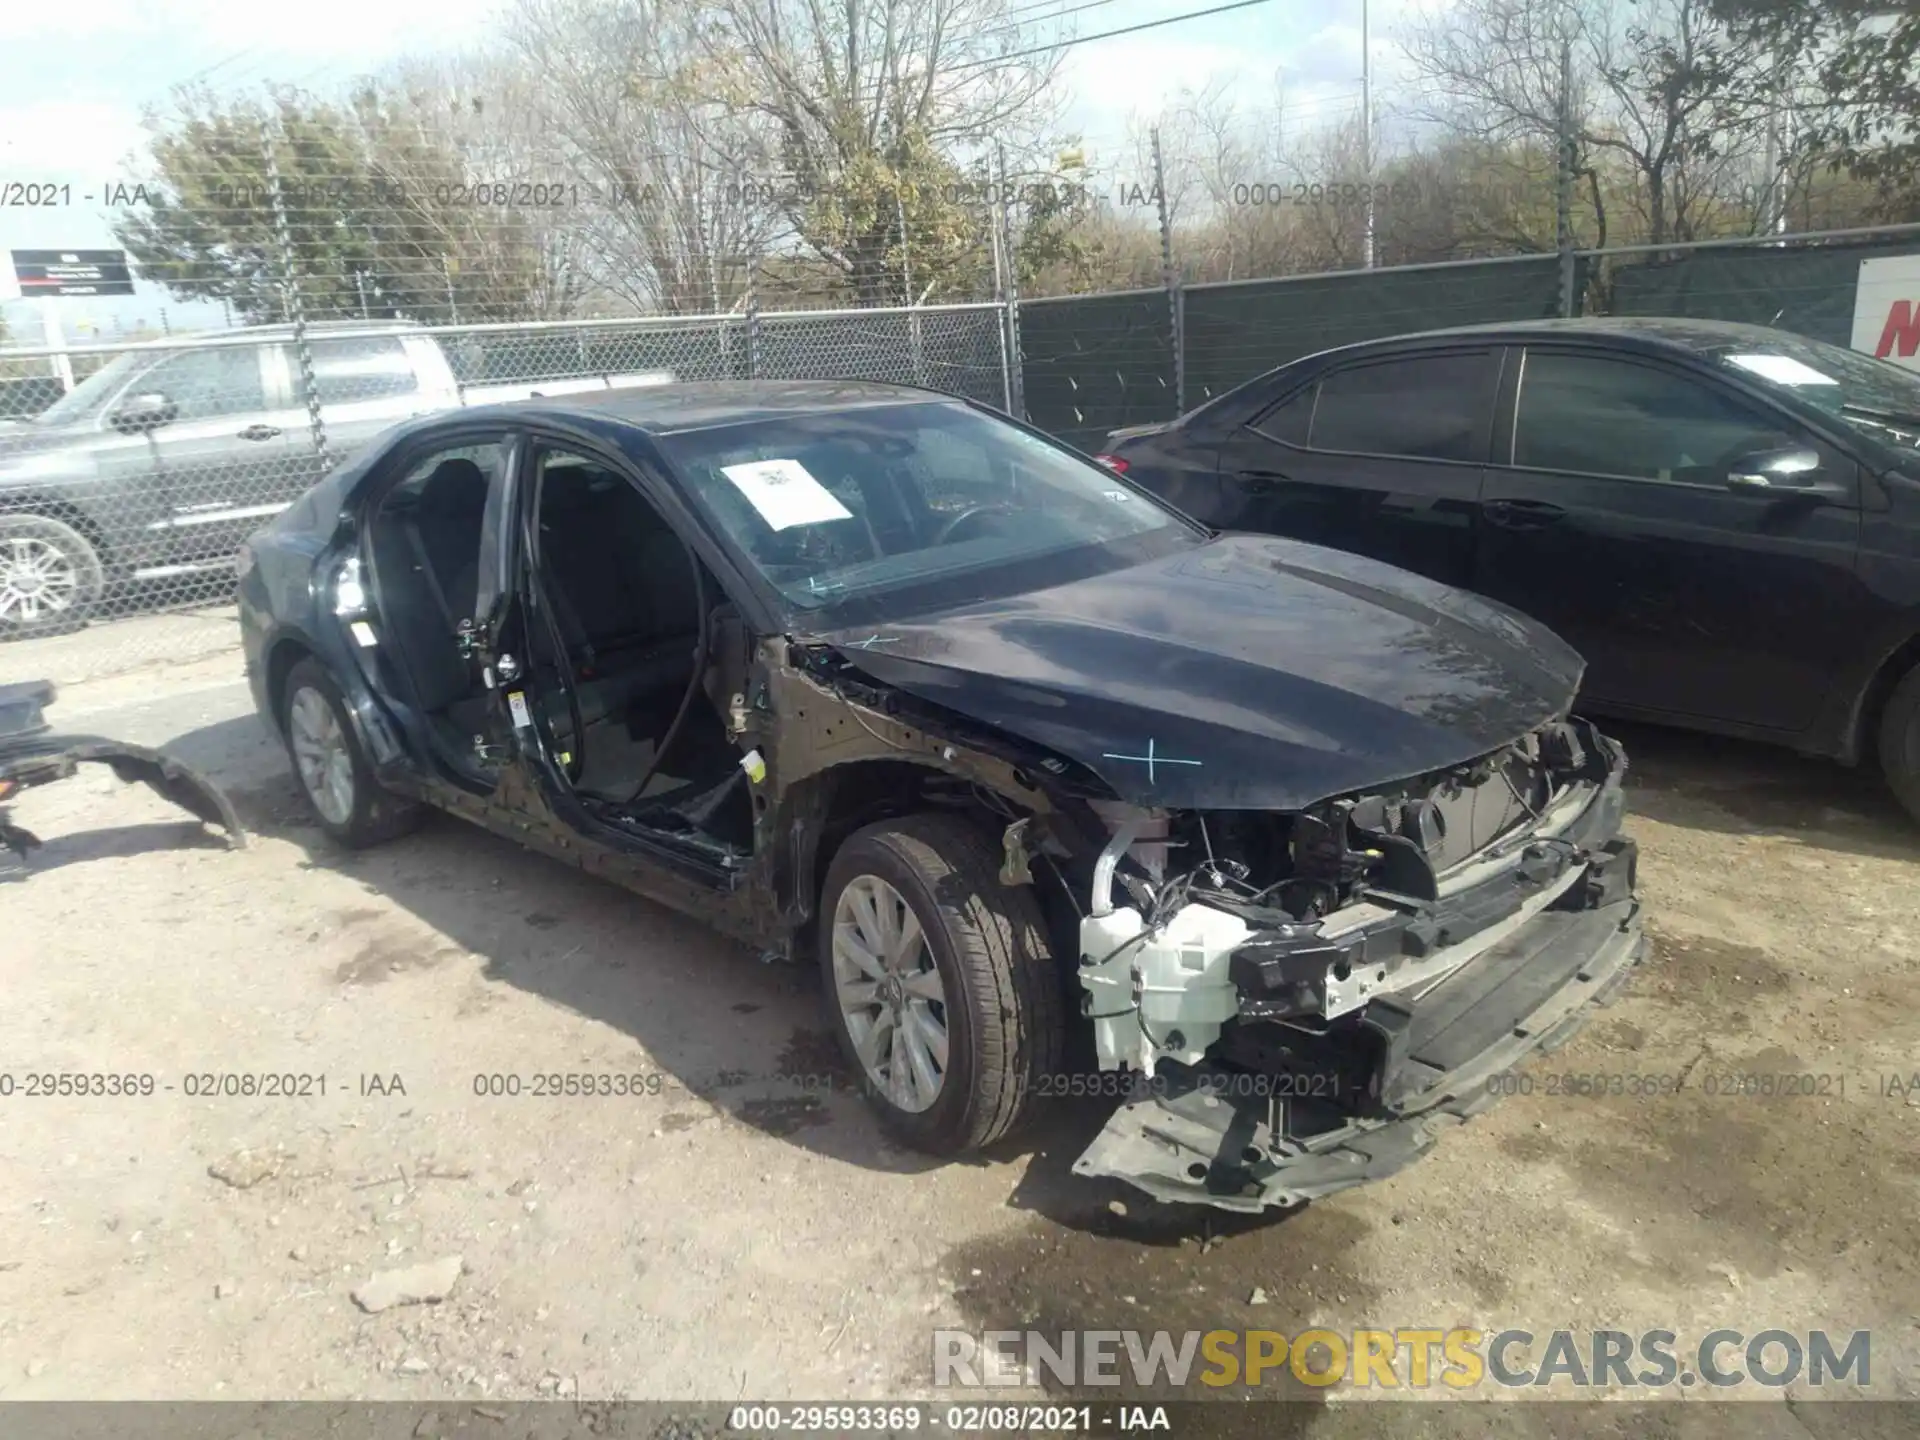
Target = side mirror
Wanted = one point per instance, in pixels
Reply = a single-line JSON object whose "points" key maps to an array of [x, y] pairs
{"points": [[1794, 473], [139, 413]]}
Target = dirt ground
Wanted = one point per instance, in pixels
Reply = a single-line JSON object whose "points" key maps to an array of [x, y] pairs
{"points": [[739, 1228]]}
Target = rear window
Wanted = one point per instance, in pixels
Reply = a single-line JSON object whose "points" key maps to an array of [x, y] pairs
{"points": [[1424, 407]]}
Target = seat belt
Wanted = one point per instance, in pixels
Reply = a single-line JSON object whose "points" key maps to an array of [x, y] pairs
{"points": [[575, 631], [419, 548]]}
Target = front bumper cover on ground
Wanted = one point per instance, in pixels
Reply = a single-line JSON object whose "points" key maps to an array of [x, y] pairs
{"points": [[1195, 1139], [30, 754]]}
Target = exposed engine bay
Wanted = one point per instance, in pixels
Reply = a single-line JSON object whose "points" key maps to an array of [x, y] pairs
{"points": [[1300, 975]]}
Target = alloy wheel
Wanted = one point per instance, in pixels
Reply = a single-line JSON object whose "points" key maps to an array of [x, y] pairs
{"points": [[888, 987], [38, 580], [320, 754]]}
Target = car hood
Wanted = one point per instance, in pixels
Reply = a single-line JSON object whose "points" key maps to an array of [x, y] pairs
{"points": [[1246, 673]]}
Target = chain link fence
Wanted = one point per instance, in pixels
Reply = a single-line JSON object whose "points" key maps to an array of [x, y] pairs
{"points": [[124, 501]]}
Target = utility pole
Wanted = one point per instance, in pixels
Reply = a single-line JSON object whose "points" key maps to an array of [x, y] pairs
{"points": [[1279, 115], [1008, 339], [1366, 119], [916, 341], [1171, 278], [1773, 215], [1016, 371], [55, 339], [294, 304], [1563, 180]]}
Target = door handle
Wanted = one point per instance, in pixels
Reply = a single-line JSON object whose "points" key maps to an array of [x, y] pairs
{"points": [[1521, 514], [1262, 482], [259, 432]]}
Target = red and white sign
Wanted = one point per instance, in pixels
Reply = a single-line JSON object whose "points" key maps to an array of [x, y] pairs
{"points": [[1886, 309]]}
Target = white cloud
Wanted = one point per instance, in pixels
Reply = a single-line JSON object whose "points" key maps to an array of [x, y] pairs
{"points": [[76, 141], [342, 28]]}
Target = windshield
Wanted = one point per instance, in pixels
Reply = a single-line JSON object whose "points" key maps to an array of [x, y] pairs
{"points": [[1877, 398], [90, 396], [847, 505]]}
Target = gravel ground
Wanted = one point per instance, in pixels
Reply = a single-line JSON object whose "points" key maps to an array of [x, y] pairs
{"points": [[740, 1228]]}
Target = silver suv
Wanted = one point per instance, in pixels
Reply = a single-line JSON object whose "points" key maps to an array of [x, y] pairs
{"points": [[156, 467]]}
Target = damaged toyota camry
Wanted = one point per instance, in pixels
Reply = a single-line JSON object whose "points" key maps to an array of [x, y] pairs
{"points": [[1310, 848]]}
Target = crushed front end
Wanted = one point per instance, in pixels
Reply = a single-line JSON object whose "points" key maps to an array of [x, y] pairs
{"points": [[1307, 1000]]}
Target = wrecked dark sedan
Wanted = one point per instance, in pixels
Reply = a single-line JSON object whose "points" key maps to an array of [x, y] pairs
{"points": [[866, 676]]}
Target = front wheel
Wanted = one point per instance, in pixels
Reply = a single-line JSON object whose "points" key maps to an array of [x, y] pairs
{"points": [[50, 576], [350, 804], [1900, 742], [941, 983]]}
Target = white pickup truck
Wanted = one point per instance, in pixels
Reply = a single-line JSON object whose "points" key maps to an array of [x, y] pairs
{"points": [[162, 462]]}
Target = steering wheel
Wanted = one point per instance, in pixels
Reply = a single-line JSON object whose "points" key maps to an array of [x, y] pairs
{"points": [[972, 512]]}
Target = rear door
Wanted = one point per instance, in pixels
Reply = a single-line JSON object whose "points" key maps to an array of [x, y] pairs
{"points": [[1609, 518], [1381, 456]]}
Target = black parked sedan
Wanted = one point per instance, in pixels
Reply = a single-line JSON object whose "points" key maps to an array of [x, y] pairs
{"points": [[1723, 519], [863, 673]]}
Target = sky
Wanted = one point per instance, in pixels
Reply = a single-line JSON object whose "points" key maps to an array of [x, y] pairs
{"points": [[74, 81]]}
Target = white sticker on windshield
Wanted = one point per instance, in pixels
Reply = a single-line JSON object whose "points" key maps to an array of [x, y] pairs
{"points": [[1781, 369], [784, 493]]}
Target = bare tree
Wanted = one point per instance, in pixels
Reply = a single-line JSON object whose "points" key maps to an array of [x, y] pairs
{"points": [[451, 137], [1652, 87], [874, 115], [659, 181]]}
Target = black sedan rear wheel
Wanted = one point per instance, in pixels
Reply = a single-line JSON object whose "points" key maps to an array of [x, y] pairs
{"points": [[333, 771], [1900, 742]]}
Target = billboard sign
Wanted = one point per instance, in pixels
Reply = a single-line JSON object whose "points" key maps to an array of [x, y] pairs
{"points": [[44, 273]]}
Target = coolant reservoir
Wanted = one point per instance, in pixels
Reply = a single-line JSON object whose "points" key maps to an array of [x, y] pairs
{"points": [[1175, 982]]}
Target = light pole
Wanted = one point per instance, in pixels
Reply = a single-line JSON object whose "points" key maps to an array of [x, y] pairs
{"points": [[1280, 114], [1366, 121]]}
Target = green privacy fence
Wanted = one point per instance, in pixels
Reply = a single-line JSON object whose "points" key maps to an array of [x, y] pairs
{"points": [[1234, 332], [1806, 288], [1095, 363]]}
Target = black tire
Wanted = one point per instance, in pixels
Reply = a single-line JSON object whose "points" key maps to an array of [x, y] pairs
{"points": [[82, 577], [373, 814], [1900, 742], [1003, 1011]]}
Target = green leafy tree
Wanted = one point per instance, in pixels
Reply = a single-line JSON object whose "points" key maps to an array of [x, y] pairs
{"points": [[377, 197], [1846, 73], [870, 113]]}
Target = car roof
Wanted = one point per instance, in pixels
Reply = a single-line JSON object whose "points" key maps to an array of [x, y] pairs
{"points": [[1641, 332], [702, 404]]}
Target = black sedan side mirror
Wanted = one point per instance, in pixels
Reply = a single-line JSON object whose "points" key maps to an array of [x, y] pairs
{"points": [[1784, 474], [138, 413]]}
